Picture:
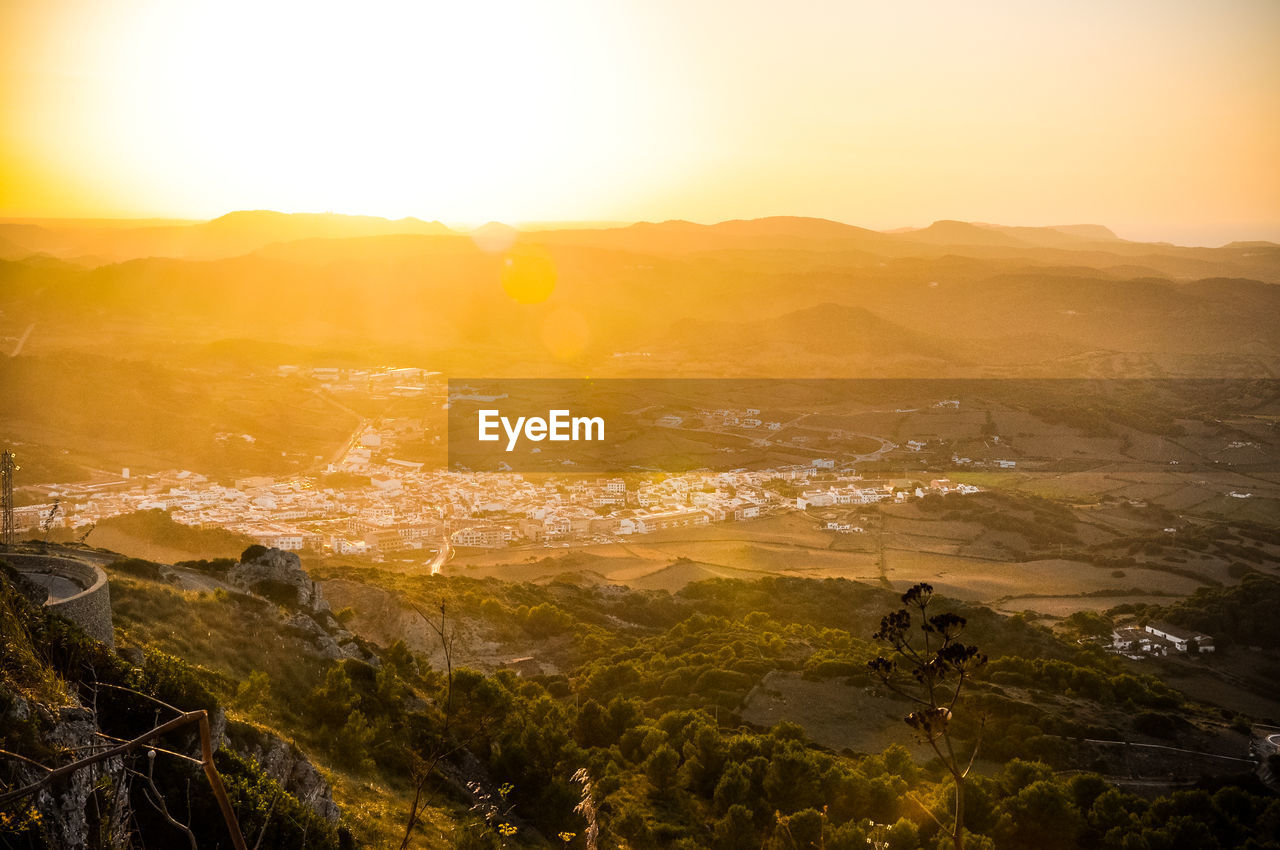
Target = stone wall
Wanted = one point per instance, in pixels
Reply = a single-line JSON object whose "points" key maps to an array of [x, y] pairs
{"points": [[91, 608]]}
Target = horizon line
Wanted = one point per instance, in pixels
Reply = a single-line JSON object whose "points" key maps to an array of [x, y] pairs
{"points": [[464, 227]]}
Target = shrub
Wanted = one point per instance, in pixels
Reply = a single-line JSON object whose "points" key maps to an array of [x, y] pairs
{"points": [[137, 567]]}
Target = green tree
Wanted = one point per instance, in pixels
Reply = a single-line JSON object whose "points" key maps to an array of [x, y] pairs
{"points": [[939, 665], [903, 835], [254, 691], [591, 728], [733, 788], [400, 659], [735, 829], [1043, 816], [800, 831], [661, 768], [334, 701], [353, 743], [792, 781]]}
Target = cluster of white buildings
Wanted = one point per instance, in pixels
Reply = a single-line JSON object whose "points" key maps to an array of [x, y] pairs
{"points": [[399, 381], [552, 510], [370, 501], [855, 491], [748, 418], [1158, 639]]}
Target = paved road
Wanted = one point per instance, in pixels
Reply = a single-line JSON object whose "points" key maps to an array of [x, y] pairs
{"points": [[442, 557], [1174, 749], [774, 442], [341, 452], [17, 349]]}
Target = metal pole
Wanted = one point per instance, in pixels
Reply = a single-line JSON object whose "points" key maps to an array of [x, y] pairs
{"points": [[8, 533]]}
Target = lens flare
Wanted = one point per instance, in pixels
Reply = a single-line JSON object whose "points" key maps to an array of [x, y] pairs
{"points": [[528, 276]]}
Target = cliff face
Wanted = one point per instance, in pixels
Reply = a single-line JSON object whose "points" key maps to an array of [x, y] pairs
{"points": [[63, 808], [66, 697], [278, 576], [67, 810], [286, 764]]}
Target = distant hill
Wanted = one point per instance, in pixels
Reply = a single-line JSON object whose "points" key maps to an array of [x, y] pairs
{"points": [[1089, 245], [958, 233], [794, 240], [230, 235], [1059, 236], [795, 226], [783, 295], [256, 225], [1084, 231], [10, 250], [683, 237], [834, 328], [966, 233], [823, 339]]}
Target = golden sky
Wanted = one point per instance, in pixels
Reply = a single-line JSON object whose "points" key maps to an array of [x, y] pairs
{"points": [[1159, 118]]}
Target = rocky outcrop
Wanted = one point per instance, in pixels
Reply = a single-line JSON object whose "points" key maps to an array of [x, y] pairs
{"points": [[64, 808], [286, 764], [277, 575], [329, 639]]}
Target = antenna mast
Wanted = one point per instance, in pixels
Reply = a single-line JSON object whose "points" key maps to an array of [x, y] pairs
{"points": [[8, 533]]}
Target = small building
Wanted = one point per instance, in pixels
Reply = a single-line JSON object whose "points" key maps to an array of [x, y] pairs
{"points": [[815, 498], [649, 523], [343, 546], [482, 537], [1181, 639], [1131, 640], [286, 541]]}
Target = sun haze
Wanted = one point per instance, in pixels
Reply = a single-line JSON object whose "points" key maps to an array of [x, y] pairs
{"points": [[1156, 118]]}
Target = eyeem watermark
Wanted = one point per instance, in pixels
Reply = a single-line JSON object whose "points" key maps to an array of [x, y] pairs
{"points": [[618, 426], [559, 426]]}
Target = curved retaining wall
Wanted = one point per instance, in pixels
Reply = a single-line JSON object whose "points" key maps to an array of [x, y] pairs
{"points": [[90, 609]]}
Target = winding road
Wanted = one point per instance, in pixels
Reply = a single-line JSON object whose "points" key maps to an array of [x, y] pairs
{"points": [[442, 557]]}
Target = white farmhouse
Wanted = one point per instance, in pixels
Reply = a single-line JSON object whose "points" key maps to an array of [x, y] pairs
{"points": [[1180, 638]]}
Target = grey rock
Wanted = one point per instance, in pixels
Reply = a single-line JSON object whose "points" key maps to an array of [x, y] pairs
{"points": [[328, 648], [63, 809], [286, 764], [278, 568], [304, 626], [351, 650], [309, 630]]}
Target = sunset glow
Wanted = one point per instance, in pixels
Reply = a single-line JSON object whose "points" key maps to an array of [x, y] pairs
{"points": [[605, 424], [1156, 118]]}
